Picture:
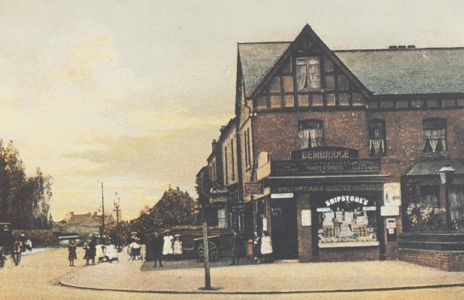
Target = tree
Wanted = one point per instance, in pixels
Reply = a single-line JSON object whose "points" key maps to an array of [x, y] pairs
{"points": [[23, 201], [174, 208]]}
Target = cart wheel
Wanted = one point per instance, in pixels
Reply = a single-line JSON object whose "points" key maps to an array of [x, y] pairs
{"points": [[213, 251], [17, 254], [17, 257]]}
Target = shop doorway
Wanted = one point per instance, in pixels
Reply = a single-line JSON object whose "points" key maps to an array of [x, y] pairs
{"points": [[284, 228]]}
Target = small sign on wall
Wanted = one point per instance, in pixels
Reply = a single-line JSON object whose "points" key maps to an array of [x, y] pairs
{"points": [[392, 194], [389, 211], [306, 217]]}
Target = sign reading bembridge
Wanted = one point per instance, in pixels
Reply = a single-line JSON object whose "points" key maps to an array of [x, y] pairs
{"points": [[325, 160]]}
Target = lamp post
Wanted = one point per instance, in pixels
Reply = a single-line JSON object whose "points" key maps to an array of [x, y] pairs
{"points": [[446, 177], [102, 235], [117, 203]]}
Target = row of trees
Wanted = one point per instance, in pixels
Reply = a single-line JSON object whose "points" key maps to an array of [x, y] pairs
{"points": [[24, 201]]}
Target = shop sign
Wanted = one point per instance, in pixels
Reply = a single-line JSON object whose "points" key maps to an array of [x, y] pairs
{"points": [[238, 206], [311, 167], [282, 196], [252, 188], [359, 187], [325, 153], [338, 199]]}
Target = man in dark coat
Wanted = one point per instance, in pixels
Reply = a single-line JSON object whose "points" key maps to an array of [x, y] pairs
{"points": [[157, 248], [236, 248]]}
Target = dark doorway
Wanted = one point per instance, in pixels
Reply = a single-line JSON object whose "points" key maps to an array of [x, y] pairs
{"points": [[284, 229]]}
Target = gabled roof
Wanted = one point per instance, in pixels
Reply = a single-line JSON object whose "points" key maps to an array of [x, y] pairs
{"points": [[408, 71], [382, 72], [257, 59]]}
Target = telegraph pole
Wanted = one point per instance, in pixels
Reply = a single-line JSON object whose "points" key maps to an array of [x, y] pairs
{"points": [[117, 203], [103, 218]]}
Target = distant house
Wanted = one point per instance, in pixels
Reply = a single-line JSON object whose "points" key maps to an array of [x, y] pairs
{"points": [[86, 224]]}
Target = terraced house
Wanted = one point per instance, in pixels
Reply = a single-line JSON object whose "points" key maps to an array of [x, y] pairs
{"points": [[350, 154]]}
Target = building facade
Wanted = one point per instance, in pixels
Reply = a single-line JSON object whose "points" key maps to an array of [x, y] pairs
{"points": [[340, 152]]}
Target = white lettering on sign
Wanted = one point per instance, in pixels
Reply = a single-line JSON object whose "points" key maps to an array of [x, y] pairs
{"points": [[325, 154], [356, 199]]}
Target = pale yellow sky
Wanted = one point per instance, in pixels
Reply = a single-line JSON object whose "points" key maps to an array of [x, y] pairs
{"points": [[131, 93]]}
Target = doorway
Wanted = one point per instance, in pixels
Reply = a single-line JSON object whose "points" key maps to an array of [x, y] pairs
{"points": [[284, 228]]}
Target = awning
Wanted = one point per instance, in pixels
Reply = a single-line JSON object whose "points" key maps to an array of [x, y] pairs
{"points": [[431, 167]]}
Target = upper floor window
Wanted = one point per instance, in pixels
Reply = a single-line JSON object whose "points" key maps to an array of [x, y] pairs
{"points": [[434, 135], [308, 73], [377, 138], [311, 133]]}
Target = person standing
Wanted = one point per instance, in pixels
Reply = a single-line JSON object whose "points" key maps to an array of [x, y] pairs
{"points": [[167, 245], [92, 249], [266, 247], [72, 252], [177, 247], [157, 248], [236, 242]]}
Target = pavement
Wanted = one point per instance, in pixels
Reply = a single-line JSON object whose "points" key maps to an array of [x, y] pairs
{"points": [[279, 277]]}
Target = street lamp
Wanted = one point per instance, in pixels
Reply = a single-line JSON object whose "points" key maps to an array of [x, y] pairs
{"points": [[446, 177], [117, 203], [446, 174]]}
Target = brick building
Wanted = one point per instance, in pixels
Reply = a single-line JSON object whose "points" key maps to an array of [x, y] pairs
{"points": [[339, 152]]}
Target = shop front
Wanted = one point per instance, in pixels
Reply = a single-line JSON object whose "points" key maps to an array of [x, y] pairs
{"points": [[334, 205]]}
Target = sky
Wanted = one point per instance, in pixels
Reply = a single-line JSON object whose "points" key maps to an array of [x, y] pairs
{"points": [[128, 95]]}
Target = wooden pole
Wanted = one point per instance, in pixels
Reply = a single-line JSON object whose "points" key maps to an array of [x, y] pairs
{"points": [[206, 256]]}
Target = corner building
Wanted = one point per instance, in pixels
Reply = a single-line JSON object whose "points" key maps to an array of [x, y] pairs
{"points": [[336, 148]]}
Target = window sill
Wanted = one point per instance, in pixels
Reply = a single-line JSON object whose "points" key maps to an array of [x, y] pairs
{"points": [[348, 244]]}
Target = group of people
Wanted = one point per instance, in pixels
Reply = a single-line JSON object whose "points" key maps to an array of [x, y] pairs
{"points": [[169, 247], [92, 249], [166, 247], [263, 248]]}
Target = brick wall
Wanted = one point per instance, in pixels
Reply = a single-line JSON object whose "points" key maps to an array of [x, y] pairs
{"points": [[448, 261], [349, 254]]}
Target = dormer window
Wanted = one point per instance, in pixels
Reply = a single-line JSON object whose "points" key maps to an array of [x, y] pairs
{"points": [[308, 73]]}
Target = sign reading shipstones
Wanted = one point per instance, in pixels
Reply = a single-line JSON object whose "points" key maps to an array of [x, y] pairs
{"points": [[318, 153], [311, 167]]}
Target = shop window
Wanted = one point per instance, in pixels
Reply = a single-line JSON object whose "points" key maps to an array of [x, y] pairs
{"points": [[456, 207], [434, 135], [377, 138], [429, 195], [308, 73], [311, 133], [347, 221]]}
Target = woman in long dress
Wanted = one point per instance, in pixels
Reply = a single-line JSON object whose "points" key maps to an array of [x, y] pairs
{"points": [[167, 245], [266, 247]]}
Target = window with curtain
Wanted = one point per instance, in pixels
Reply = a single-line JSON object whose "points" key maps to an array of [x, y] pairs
{"points": [[434, 135], [311, 133], [377, 138], [456, 203], [222, 218], [308, 73], [429, 195]]}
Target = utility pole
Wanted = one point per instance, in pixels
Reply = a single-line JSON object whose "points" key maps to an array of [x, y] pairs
{"points": [[103, 218]]}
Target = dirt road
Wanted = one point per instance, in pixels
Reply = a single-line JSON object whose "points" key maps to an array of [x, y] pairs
{"points": [[38, 275]]}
